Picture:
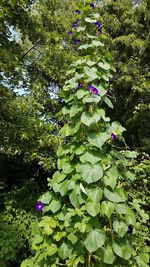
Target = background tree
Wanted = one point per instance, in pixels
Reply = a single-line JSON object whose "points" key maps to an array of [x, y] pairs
{"points": [[127, 25]]}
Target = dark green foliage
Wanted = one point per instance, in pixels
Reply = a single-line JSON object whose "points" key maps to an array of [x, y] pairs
{"points": [[129, 32], [16, 217], [35, 54]]}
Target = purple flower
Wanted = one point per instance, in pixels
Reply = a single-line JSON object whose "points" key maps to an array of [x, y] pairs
{"points": [[92, 6], [130, 230], [113, 136], [70, 33], [77, 41], [99, 31], [39, 206], [97, 24], [75, 24], [92, 89], [80, 85], [77, 12]]}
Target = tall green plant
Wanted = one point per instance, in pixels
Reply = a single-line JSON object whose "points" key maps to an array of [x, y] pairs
{"points": [[87, 218]]}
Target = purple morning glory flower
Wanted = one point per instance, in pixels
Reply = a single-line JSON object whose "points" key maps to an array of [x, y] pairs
{"points": [[97, 24], [70, 33], [92, 6], [80, 85], [77, 12], [113, 136], [99, 31], [130, 230], [92, 89], [39, 206], [77, 41], [75, 24]]}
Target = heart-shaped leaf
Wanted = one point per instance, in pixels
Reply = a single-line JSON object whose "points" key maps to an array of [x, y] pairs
{"points": [[91, 173], [94, 240]]}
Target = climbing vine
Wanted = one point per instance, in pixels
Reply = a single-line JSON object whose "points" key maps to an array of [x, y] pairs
{"points": [[87, 219]]}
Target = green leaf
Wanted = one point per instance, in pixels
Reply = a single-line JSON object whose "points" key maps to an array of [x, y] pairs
{"points": [[47, 219], [91, 36], [27, 263], [75, 110], [85, 46], [130, 216], [67, 168], [111, 177], [119, 195], [94, 240], [107, 208], [91, 99], [104, 65], [91, 73], [95, 194], [80, 150], [121, 208], [81, 29], [130, 176], [107, 255], [74, 199], [66, 130], [90, 62], [122, 249], [120, 157], [58, 177], [96, 15], [87, 118], [46, 198], [90, 173], [78, 62], [117, 128], [60, 151], [142, 260], [105, 77], [64, 251], [108, 102], [51, 250], [102, 114], [102, 91], [63, 188], [97, 43], [55, 205], [93, 208], [37, 239], [91, 156], [65, 110], [81, 93], [131, 154], [72, 238], [97, 139], [120, 228], [87, 19], [2, 13], [83, 189]]}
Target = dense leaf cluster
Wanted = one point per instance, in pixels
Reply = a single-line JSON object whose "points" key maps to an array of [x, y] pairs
{"points": [[88, 220]]}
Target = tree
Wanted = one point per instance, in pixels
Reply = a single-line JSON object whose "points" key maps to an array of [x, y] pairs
{"points": [[127, 26], [87, 218]]}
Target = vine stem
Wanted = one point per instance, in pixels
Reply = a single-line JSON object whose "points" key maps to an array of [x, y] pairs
{"points": [[110, 224], [89, 260]]}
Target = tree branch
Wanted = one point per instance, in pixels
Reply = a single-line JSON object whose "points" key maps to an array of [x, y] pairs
{"points": [[32, 47]]}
